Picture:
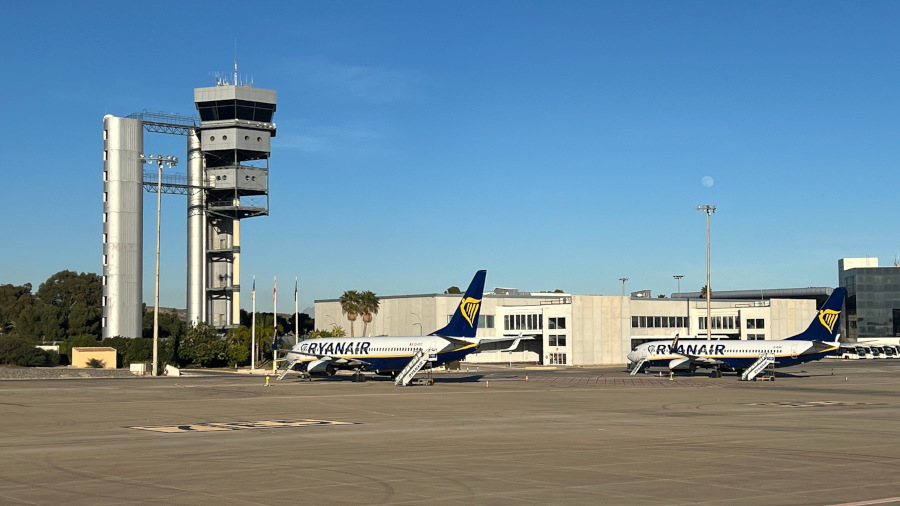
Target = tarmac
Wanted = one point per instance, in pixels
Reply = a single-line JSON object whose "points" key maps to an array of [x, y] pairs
{"points": [[826, 433]]}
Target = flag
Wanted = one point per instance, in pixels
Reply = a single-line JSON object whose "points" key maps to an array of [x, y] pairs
{"points": [[295, 290], [274, 286], [253, 292]]}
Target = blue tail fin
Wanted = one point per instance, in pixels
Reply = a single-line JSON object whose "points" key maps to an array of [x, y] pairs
{"points": [[465, 320], [826, 326]]}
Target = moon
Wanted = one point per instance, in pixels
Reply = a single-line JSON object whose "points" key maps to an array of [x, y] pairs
{"points": [[707, 181]]}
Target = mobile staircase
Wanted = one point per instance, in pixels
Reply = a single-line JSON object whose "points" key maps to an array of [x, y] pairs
{"points": [[414, 366], [288, 368], [637, 368], [765, 360]]}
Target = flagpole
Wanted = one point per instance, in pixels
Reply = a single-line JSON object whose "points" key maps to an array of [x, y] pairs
{"points": [[296, 313], [274, 324], [253, 329]]}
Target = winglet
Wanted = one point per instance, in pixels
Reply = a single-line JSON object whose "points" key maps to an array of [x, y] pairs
{"points": [[465, 320]]}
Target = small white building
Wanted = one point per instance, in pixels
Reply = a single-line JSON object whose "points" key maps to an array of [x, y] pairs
{"points": [[578, 330]]}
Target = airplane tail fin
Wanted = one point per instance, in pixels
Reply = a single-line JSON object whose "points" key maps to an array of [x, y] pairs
{"points": [[825, 326], [464, 322]]}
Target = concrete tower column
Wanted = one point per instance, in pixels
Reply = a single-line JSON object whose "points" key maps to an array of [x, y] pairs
{"points": [[123, 226], [196, 232]]}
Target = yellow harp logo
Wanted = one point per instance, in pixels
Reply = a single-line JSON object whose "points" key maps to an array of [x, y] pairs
{"points": [[829, 317], [469, 308]]}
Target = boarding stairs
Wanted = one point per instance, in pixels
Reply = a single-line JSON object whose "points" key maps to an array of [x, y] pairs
{"points": [[414, 366], [637, 367], [288, 368], [765, 360]]}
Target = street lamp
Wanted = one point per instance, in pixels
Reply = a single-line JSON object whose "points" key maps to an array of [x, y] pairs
{"points": [[709, 210], [419, 323], [678, 278], [169, 161], [623, 280]]}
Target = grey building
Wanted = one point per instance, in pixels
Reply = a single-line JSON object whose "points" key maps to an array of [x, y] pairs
{"points": [[873, 299]]}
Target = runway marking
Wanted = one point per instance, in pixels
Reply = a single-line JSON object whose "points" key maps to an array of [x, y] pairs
{"points": [[875, 501], [229, 426], [810, 404]]}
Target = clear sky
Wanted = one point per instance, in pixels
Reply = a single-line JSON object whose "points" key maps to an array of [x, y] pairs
{"points": [[559, 145]]}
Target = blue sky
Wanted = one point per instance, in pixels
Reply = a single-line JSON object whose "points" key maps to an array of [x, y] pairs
{"points": [[559, 145]]}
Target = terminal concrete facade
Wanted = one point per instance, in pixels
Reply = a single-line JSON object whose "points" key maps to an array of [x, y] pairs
{"points": [[579, 330]]}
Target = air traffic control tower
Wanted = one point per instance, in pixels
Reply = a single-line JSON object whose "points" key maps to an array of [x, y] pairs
{"points": [[228, 170], [227, 181]]}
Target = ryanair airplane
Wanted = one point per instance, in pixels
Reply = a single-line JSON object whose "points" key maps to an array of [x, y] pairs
{"points": [[814, 343], [393, 356]]}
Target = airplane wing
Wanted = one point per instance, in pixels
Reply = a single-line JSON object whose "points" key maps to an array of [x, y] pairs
{"points": [[697, 360]]}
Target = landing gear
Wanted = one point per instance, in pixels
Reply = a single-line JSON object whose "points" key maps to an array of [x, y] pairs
{"points": [[358, 377], [716, 372]]}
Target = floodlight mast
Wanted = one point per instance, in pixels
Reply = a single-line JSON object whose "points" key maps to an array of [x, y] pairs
{"points": [[169, 161], [709, 210]]}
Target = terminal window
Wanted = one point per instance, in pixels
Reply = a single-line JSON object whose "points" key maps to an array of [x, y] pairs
{"points": [[644, 322], [756, 323], [556, 340], [556, 323], [721, 322], [522, 322]]}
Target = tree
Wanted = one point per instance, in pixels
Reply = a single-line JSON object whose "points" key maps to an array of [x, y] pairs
{"points": [[336, 331], [13, 299], [202, 346], [237, 346], [83, 320], [66, 289], [15, 350], [306, 323], [350, 303], [453, 290], [368, 308], [40, 322], [703, 293]]}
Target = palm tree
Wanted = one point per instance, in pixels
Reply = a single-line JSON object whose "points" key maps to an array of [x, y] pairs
{"points": [[350, 304], [703, 293], [368, 307]]}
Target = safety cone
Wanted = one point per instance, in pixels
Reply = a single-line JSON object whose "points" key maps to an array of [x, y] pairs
{"points": [[487, 384], [660, 374], [526, 376]]}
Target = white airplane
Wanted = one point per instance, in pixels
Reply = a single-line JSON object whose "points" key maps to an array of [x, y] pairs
{"points": [[389, 356], [814, 343]]}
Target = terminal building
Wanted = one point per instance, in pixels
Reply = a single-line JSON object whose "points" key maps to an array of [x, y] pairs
{"points": [[585, 330], [873, 300], [582, 330]]}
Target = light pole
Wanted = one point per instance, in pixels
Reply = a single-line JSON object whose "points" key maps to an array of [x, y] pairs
{"points": [[678, 278], [709, 210], [170, 161], [419, 323], [623, 280]]}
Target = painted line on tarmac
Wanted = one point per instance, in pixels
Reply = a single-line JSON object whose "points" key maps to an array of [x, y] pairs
{"points": [[867, 503], [812, 404], [231, 426]]}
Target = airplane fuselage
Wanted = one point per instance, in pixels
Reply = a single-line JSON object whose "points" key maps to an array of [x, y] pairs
{"points": [[382, 354], [728, 354]]}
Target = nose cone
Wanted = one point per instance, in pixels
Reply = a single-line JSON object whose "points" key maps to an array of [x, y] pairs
{"points": [[633, 356]]}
